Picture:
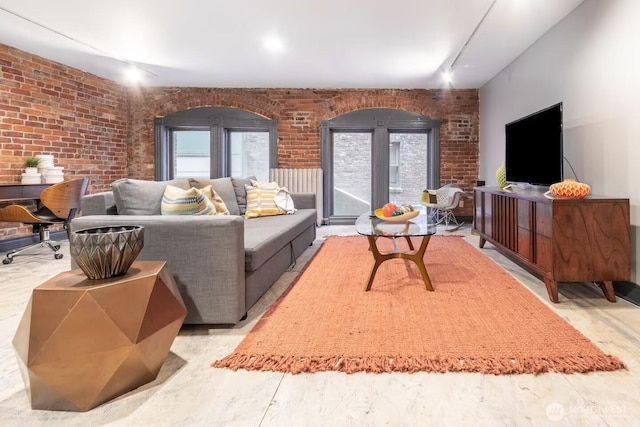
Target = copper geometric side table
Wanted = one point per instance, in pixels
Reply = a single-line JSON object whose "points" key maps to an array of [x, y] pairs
{"points": [[83, 342]]}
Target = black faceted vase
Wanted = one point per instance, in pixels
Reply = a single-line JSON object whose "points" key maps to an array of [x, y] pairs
{"points": [[105, 252]]}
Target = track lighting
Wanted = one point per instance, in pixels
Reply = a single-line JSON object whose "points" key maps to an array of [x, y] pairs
{"points": [[449, 73]]}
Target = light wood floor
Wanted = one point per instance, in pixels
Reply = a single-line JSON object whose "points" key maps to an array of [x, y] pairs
{"points": [[189, 392]]}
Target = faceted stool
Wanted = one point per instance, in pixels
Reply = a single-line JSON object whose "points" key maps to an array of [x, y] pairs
{"points": [[82, 342]]}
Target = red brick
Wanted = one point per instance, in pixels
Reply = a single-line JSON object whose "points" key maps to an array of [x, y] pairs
{"points": [[96, 127]]}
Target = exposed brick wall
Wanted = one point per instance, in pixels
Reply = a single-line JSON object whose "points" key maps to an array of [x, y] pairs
{"points": [[96, 128], [46, 107], [299, 113]]}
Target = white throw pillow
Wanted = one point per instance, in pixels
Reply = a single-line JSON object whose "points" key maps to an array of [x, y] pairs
{"points": [[284, 201]]}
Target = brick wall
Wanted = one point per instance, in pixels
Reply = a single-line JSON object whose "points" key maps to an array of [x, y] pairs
{"points": [[299, 113], [49, 108], [96, 128]]}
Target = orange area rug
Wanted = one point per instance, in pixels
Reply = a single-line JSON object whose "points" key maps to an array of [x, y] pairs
{"points": [[479, 318]]}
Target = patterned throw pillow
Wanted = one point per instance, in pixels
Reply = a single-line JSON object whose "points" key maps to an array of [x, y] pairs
{"points": [[176, 201], [221, 207], [442, 196], [267, 185], [261, 202], [224, 188]]}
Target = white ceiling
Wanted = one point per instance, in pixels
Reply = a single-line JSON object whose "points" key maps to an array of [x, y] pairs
{"points": [[402, 44]]}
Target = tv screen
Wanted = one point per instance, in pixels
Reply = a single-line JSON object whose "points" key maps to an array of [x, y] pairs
{"points": [[534, 147]]}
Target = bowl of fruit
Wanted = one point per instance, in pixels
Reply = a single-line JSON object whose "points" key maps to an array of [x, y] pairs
{"points": [[391, 212]]}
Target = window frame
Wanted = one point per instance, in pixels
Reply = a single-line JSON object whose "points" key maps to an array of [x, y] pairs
{"points": [[381, 122], [219, 121], [394, 146]]}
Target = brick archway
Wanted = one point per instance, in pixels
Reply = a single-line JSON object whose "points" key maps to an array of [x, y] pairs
{"points": [[233, 98]]}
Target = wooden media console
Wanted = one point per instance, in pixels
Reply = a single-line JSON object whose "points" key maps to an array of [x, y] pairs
{"points": [[562, 240]]}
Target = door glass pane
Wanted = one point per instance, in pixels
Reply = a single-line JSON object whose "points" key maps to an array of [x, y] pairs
{"points": [[191, 154], [351, 173], [249, 154], [407, 167]]}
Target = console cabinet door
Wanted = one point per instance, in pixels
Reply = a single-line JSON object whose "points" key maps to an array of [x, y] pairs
{"points": [[543, 228], [478, 196], [525, 241], [488, 214]]}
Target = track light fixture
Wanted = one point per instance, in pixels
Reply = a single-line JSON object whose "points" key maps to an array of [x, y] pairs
{"points": [[132, 68], [448, 74]]}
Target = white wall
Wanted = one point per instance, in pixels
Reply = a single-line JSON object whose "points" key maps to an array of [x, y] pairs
{"points": [[590, 62]]}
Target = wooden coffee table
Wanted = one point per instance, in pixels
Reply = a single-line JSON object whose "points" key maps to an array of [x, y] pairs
{"points": [[82, 342], [374, 228]]}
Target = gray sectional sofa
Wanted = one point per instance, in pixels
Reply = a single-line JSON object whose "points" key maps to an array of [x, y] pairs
{"points": [[222, 264]]}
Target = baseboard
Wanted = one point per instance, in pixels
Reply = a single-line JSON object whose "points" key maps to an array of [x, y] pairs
{"points": [[22, 241], [465, 219]]}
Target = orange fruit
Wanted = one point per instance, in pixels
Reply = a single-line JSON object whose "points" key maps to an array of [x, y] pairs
{"points": [[389, 208]]}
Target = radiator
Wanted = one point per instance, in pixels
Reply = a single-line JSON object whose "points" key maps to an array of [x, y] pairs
{"points": [[301, 181]]}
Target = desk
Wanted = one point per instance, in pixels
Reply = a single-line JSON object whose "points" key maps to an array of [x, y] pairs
{"points": [[10, 193]]}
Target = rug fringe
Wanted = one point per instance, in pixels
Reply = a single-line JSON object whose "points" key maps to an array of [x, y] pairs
{"points": [[379, 364]]}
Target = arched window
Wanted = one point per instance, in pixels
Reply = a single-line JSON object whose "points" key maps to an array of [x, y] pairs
{"points": [[213, 142], [374, 156]]}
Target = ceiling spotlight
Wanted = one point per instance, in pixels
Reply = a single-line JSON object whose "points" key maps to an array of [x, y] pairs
{"points": [[274, 44], [134, 74]]}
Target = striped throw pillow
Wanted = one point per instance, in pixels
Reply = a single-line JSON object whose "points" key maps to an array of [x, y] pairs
{"points": [[176, 201], [261, 202], [221, 207]]}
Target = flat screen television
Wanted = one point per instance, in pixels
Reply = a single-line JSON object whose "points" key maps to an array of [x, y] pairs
{"points": [[534, 148]]}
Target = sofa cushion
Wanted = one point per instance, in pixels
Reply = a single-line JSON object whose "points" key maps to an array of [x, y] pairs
{"points": [[264, 237], [222, 186], [241, 192], [140, 197], [177, 201]]}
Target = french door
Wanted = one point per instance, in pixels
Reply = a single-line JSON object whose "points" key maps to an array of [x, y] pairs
{"points": [[352, 184], [357, 183], [369, 162]]}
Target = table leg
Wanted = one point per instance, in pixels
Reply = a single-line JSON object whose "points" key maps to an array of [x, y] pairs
{"points": [[409, 242], [378, 258], [417, 257]]}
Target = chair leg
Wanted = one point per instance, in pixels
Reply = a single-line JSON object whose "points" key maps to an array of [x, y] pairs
{"points": [[432, 215], [451, 219], [44, 242]]}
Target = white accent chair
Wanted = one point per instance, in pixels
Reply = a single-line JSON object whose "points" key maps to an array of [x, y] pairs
{"points": [[440, 204]]}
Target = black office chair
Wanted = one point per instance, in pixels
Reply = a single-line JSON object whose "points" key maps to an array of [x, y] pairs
{"points": [[60, 204]]}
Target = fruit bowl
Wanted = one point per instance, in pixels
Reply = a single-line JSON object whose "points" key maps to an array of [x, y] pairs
{"points": [[398, 218]]}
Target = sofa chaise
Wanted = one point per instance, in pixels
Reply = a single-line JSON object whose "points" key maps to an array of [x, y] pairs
{"points": [[222, 264]]}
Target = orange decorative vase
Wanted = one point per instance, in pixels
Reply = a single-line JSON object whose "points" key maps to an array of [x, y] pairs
{"points": [[570, 189]]}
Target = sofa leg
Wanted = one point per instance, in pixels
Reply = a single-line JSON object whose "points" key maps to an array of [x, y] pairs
{"points": [[244, 317]]}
